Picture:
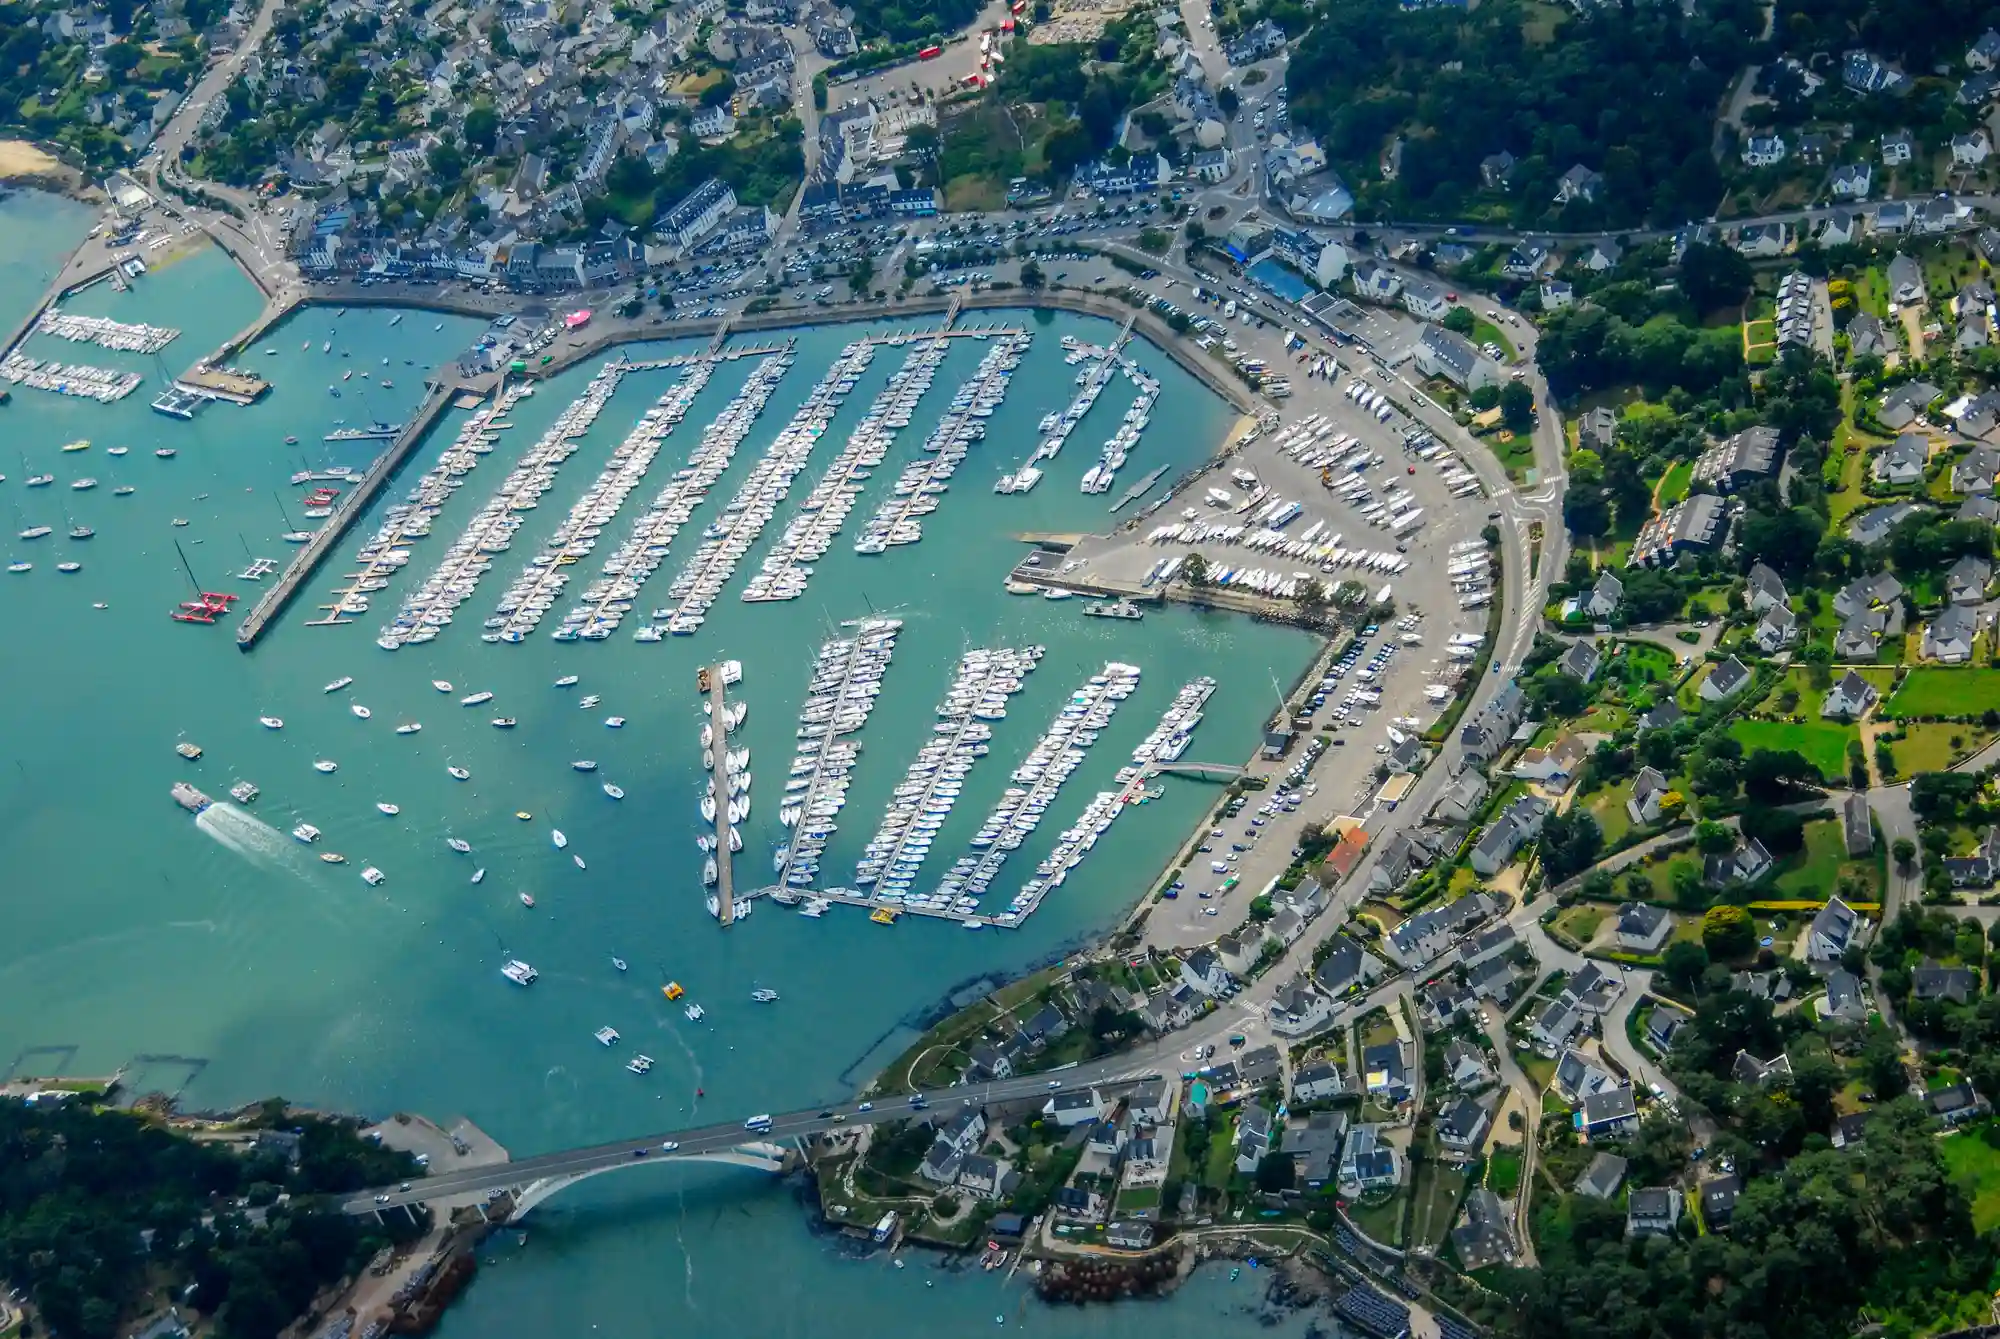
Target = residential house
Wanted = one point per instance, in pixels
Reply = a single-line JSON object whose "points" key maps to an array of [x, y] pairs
{"points": [[1649, 790], [1903, 405], [1970, 149], [1368, 1162], [1488, 732], [1555, 766], [1557, 294], [1581, 661], [1778, 629], [1384, 1072], [1974, 471], [1744, 863], [1209, 165], [1845, 998], [1747, 1068], [1696, 523], [1516, 826], [1718, 1201], [1463, 1124], [1253, 1137], [1314, 1147], [1898, 148], [1347, 966], [1851, 181], [1150, 1103], [1762, 240], [1873, 526], [1463, 798], [1851, 1129], [1496, 170], [989, 1061], [1609, 1113], [1864, 593], [1492, 980], [1832, 930], [1597, 430], [1930, 981], [1075, 1107], [1726, 680], [1317, 1083], [697, 215], [1604, 254], [1948, 638], [1465, 1065], [1643, 927], [1902, 461], [1857, 829], [1046, 1025], [1663, 1025], [1429, 933], [1967, 579], [1979, 507], [1957, 1104], [1298, 1009], [1488, 945], [945, 1160], [1602, 1178], [1576, 1077], [1663, 714], [1984, 54], [1441, 353], [1748, 456], [1840, 227], [1865, 72], [1579, 183], [1605, 593], [1425, 299], [1554, 1026], [1866, 338], [1968, 871], [1375, 281]]}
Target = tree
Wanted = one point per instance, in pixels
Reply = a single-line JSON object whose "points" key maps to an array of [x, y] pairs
{"points": [[1195, 571], [1727, 932], [1713, 838], [1031, 275], [862, 274], [1274, 1173], [1517, 407], [1905, 852], [1779, 776], [1227, 99], [1460, 321], [1714, 276], [482, 126], [1684, 962], [1781, 830], [1483, 398], [1570, 843]]}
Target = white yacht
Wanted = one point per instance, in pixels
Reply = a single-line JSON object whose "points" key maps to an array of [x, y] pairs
{"points": [[556, 836], [359, 710], [695, 1013], [584, 765], [373, 877], [764, 995], [306, 833], [339, 683], [442, 685], [459, 844], [326, 765], [520, 973], [270, 722], [607, 1036], [615, 792], [390, 809], [567, 681], [474, 699], [409, 728]]}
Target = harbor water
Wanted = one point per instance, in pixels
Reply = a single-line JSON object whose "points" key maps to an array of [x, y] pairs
{"points": [[129, 930]]}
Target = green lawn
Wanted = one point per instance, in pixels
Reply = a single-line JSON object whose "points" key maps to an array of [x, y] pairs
{"points": [[1437, 1192], [1579, 922], [1538, 1069], [1927, 746], [1607, 806], [1800, 680], [1975, 1164], [1823, 864], [1503, 1174], [1674, 486], [1220, 1164], [1484, 332], [1823, 743], [1934, 691], [1383, 1222], [1137, 1198]]}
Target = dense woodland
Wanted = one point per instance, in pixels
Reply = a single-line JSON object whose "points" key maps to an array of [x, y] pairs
{"points": [[912, 20], [99, 1207]]}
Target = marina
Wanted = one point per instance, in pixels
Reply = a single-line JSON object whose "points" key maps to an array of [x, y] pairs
{"points": [[1054, 757], [102, 384], [900, 519], [699, 584], [978, 695], [534, 592], [606, 601], [810, 534], [846, 680], [104, 332]]}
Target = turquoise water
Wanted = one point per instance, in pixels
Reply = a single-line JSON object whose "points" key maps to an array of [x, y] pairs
{"points": [[128, 929]]}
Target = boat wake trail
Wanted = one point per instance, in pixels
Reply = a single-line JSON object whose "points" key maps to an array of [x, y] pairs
{"points": [[250, 837]]}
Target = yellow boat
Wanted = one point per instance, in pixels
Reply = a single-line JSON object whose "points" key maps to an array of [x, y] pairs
{"points": [[523, 815], [80, 444], [672, 990], [883, 915]]}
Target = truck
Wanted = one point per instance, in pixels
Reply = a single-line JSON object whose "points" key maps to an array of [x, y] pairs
{"points": [[758, 1123], [930, 53]]}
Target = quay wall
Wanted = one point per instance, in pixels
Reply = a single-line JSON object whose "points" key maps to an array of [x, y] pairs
{"points": [[61, 289], [350, 509]]}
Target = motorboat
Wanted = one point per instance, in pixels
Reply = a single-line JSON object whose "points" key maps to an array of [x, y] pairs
{"points": [[503, 722], [373, 877], [584, 765], [479, 875], [306, 833], [640, 1064], [359, 710], [459, 844], [618, 963], [442, 685], [332, 858], [338, 684], [527, 899], [474, 699], [408, 728], [764, 995], [615, 722], [326, 765], [271, 722], [459, 773], [615, 792], [567, 681], [607, 1036], [166, 453], [556, 836], [520, 973]]}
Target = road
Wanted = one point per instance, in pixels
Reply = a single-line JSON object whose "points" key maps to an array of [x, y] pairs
{"points": [[1112, 1073]]}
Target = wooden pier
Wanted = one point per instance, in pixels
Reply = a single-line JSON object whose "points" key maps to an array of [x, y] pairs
{"points": [[725, 884], [349, 510]]}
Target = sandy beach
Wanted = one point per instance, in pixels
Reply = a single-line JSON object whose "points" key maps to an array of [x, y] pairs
{"points": [[18, 158]]}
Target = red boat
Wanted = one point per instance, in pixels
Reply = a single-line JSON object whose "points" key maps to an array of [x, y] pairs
{"points": [[212, 596], [181, 617]]}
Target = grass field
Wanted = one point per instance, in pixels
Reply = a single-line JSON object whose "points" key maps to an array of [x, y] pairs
{"points": [[1437, 1194], [1927, 746], [1503, 1174], [1823, 864], [1485, 332], [1384, 1221], [1931, 691], [1823, 743], [1579, 923], [1607, 806], [1674, 485], [1973, 1163]]}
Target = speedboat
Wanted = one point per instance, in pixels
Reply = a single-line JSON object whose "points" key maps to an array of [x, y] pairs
{"points": [[556, 836], [166, 453], [615, 792], [359, 710], [585, 765], [615, 722], [567, 681], [527, 899], [339, 683], [764, 995], [390, 809], [459, 773], [117, 450], [503, 722], [459, 844], [442, 685], [333, 857], [619, 963], [474, 699], [306, 833], [408, 728], [326, 765], [373, 877], [270, 722], [479, 874]]}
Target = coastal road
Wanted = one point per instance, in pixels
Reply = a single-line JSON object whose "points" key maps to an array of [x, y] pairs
{"points": [[1121, 1071]]}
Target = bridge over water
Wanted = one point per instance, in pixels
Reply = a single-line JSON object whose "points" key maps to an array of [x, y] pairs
{"points": [[530, 1181]]}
